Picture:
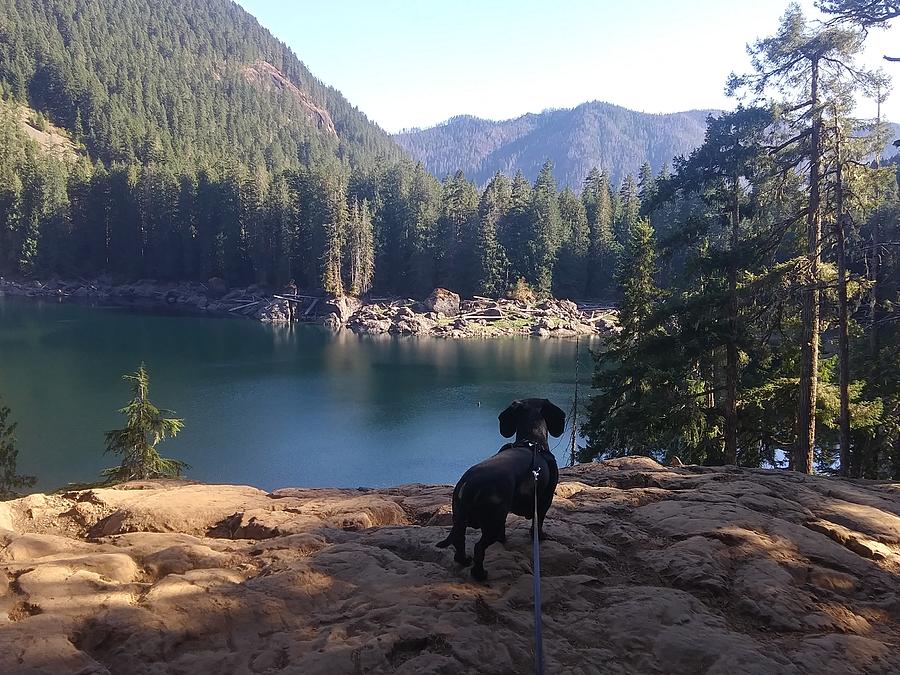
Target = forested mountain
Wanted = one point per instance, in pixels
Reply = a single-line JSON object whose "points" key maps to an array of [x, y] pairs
{"points": [[599, 134], [757, 277], [192, 81], [180, 140]]}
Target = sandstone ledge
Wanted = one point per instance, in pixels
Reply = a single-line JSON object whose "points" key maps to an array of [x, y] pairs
{"points": [[646, 569]]}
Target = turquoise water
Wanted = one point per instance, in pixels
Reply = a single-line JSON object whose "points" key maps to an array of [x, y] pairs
{"points": [[268, 406]]}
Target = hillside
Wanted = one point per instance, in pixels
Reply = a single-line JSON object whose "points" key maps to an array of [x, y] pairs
{"points": [[604, 135], [646, 569], [598, 134], [196, 81]]}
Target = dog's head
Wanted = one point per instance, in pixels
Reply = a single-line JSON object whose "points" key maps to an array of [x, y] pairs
{"points": [[531, 419]]}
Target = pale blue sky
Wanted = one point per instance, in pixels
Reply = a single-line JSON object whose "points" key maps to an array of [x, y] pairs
{"points": [[409, 63]]}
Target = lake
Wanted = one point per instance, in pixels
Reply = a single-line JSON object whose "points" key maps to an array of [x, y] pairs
{"points": [[270, 406]]}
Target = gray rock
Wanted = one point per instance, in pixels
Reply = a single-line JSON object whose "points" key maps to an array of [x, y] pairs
{"points": [[333, 322], [443, 301], [343, 306]]}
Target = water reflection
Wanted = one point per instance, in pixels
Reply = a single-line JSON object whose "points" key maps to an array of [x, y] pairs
{"points": [[268, 405]]}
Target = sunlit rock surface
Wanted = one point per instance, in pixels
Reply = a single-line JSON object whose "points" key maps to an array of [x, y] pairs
{"points": [[646, 569]]}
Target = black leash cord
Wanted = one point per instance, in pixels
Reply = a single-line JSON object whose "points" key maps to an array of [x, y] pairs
{"points": [[536, 555]]}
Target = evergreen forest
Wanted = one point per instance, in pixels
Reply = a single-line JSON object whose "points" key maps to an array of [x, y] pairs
{"points": [[757, 277]]}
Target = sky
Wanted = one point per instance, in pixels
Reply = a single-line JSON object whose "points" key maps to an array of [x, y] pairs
{"points": [[416, 63]]}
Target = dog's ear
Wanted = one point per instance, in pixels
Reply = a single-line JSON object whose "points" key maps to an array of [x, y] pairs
{"points": [[555, 419], [509, 419]]}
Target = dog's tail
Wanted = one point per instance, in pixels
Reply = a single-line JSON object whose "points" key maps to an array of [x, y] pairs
{"points": [[446, 542]]}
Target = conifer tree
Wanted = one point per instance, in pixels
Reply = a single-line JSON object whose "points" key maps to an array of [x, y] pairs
{"points": [[544, 231], [10, 481], [515, 228], [333, 227], [807, 65], [146, 426], [629, 209], [456, 226], [421, 217], [493, 207], [570, 274], [625, 380], [603, 250], [360, 249], [646, 184]]}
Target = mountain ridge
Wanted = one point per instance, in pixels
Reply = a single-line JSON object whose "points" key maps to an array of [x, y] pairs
{"points": [[597, 133], [594, 133], [194, 81]]}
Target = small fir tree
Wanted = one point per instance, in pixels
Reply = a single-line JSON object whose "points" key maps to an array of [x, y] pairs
{"points": [[10, 481], [146, 427]]}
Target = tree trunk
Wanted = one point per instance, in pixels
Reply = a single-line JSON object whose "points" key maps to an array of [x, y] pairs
{"points": [[862, 464], [731, 351], [809, 364], [844, 337]]}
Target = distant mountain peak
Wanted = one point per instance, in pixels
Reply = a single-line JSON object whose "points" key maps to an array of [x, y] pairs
{"points": [[594, 133]]}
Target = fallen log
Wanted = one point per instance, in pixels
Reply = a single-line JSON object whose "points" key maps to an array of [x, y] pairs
{"points": [[249, 304], [487, 317], [290, 298], [311, 306]]}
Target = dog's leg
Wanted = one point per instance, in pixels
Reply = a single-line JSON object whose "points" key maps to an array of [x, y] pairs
{"points": [[492, 530], [457, 538], [478, 571], [541, 536], [543, 507], [457, 535], [459, 543]]}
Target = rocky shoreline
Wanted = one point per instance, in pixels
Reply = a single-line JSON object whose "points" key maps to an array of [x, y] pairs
{"points": [[442, 314], [645, 569]]}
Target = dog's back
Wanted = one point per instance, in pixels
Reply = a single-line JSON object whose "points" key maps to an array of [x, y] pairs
{"points": [[503, 481]]}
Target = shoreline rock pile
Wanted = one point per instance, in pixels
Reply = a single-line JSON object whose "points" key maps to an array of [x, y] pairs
{"points": [[442, 314], [645, 569]]}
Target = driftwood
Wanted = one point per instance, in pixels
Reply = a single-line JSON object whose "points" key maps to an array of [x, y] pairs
{"points": [[521, 310], [240, 307], [487, 317], [291, 298], [311, 305]]}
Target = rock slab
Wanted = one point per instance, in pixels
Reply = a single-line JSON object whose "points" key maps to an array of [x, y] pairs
{"points": [[646, 569]]}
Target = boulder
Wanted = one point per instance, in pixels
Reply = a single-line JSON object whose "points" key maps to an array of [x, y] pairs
{"points": [[333, 322], [342, 306], [443, 301], [370, 325], [416, 324]]}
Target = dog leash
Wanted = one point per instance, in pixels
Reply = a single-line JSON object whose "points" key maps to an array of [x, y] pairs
{"points": [[536, 555]]}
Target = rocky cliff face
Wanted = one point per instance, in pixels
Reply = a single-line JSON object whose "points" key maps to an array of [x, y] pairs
{"points": [[646, 569], [268, 78]]}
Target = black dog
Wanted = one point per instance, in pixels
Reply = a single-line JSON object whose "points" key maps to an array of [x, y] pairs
{"points": [[504, 483]]}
